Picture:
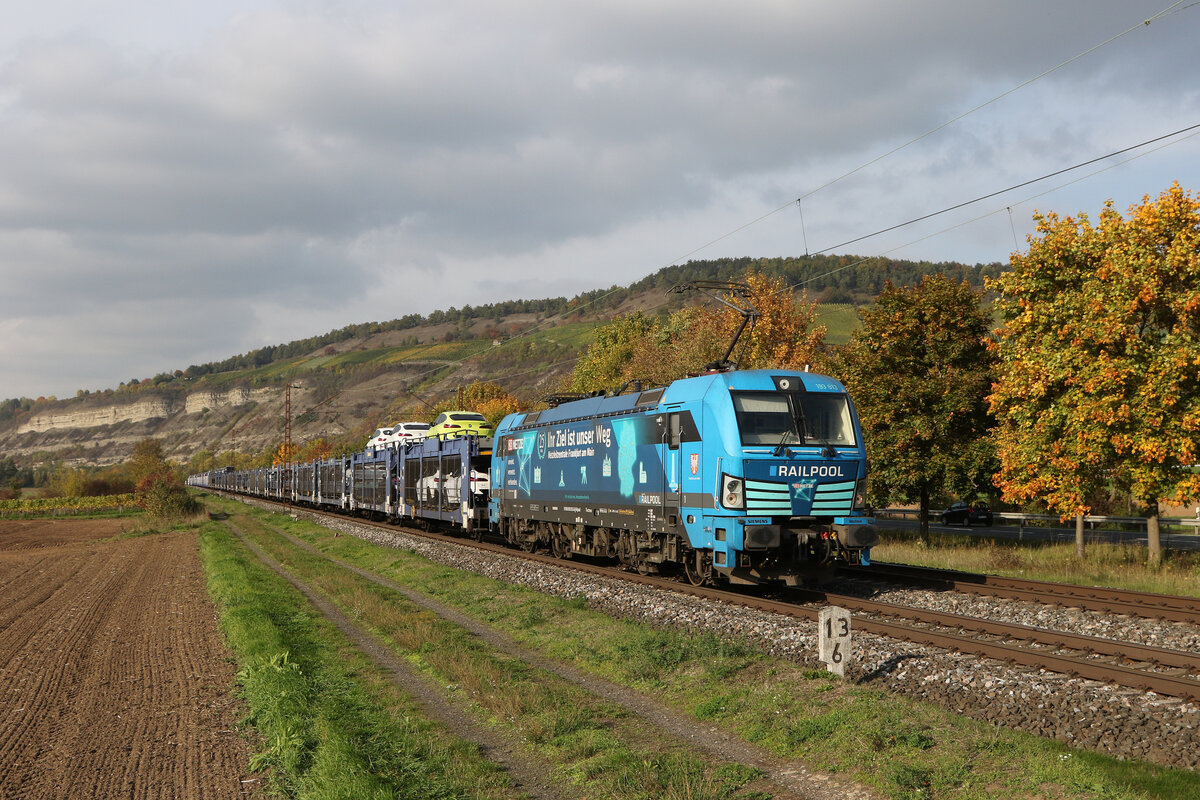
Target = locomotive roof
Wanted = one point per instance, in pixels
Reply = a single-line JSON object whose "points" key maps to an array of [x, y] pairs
{"points": [[678, 392]]}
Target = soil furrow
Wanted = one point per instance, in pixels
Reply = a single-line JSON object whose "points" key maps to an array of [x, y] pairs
{"points": [[114, 683]]}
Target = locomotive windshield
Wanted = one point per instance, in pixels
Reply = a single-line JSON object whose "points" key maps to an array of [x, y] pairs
{"points": [[789, 418]]}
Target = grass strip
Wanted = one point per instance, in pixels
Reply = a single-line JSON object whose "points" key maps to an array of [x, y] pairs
{"points": [[1120, 566], [902, 747], [595, 744], [329, 724]]}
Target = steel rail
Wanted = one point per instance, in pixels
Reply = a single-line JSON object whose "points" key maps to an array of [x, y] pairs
{"points": [[1053, 662], [1131, 651], [1149, 605]]}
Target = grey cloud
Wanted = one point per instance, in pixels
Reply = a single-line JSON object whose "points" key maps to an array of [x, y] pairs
{"points": [[293, 158]]}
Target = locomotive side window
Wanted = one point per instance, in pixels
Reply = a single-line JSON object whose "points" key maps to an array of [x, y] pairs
{"points": [[785, 418]]}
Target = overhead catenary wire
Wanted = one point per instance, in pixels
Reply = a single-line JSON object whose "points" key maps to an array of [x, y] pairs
{"points": [[1014, 187], [1172, 9], [1143, 23], [1193, 129], [1139, 25], [973, 220]]}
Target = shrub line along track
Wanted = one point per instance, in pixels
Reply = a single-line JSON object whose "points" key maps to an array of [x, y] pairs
{"points": [[1025, 646], [787, 774], [1091, 598]]}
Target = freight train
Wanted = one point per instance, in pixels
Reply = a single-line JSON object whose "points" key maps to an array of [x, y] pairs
{"points": [[737, 476]]}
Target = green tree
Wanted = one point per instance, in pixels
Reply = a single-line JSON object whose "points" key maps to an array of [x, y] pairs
{"points": [[1099, 377], [147, 458], [201, 461], [9, 471], [163, 496], [919, 371], [68, 482], [602, 366], [159, 487], [682, 344]]}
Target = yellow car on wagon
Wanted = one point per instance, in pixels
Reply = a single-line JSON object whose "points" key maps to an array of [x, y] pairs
{"points": [[450, 424]]}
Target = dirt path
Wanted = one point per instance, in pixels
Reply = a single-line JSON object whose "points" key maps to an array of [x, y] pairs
{"points": [[113, 676], [528, 776]]}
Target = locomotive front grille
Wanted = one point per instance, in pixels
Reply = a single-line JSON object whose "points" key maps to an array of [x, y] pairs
{"points": [[768, 498], [834, 498]]}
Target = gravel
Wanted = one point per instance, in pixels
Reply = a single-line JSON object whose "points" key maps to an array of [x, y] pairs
{"points": [[1119, 627], [1116, 721]]}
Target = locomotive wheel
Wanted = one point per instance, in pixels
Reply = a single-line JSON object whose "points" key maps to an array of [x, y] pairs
{"points": [[698, 566], [626, 550], [545, 536], [560, 546], [515, 535], [527, 538]]}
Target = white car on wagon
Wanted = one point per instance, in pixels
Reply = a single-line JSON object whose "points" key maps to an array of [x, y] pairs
{"points": [[379, 438], [408, 432]]}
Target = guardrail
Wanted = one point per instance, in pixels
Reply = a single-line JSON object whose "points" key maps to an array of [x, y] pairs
{"points": [[1180, 524]]}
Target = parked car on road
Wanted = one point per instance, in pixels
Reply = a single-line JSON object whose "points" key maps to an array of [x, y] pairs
{"points": [[961, 513], [460, 423]]}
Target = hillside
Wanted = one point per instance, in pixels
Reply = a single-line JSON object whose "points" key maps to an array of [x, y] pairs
{"points": [[347, 382], [337, 391]]}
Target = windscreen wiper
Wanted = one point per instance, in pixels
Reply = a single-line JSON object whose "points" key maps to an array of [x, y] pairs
{"points": [[798, 418], [798, 423]]}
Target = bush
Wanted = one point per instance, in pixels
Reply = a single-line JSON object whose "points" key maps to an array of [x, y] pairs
{"points": [[163, 496]]}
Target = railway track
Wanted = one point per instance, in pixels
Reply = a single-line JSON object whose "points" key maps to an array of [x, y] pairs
{"points": [[1170, 672], [1166, 672], [1092, 598]]}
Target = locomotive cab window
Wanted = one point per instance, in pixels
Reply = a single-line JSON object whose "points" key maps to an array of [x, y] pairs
{"points": [[789, 418]]}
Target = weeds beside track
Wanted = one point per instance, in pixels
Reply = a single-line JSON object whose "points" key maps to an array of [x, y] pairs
{"points": [[900, 748]]}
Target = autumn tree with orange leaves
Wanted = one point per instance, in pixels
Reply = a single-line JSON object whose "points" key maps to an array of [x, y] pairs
{"points": [[785, 336], [1099, 378], [487, 398], [604, 364], [284, 454], [316, 450]]}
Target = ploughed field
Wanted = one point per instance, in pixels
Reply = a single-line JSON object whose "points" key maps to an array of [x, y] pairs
{"points": [[114, 681]]}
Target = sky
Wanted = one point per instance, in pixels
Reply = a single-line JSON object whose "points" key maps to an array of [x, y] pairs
{"points": [[183, 182]]}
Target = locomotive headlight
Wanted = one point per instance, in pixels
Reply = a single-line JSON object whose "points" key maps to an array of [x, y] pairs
{"points": [[732, 492]]}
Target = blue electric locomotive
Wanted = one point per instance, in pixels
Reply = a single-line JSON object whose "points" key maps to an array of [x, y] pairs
{"points": [[744, 476]]}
